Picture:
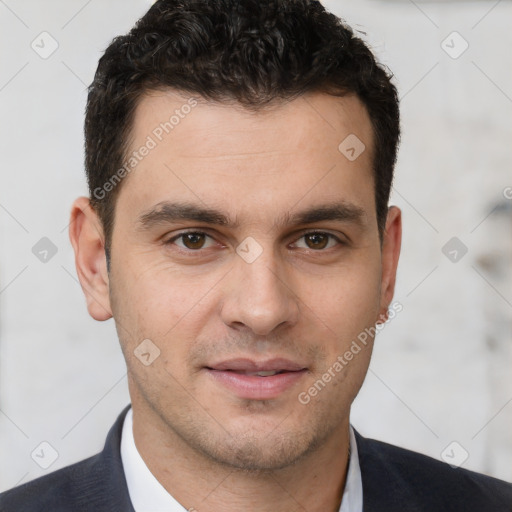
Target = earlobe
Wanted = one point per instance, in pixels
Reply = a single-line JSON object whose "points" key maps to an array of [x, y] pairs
{"points": [[391, 243], [87, 239]]}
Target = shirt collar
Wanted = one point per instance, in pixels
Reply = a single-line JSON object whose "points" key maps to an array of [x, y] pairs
{"points": [[148, 495], [353, 494]]}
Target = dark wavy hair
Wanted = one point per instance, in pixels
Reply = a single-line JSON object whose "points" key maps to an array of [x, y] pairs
{"points": [[254, 52]]}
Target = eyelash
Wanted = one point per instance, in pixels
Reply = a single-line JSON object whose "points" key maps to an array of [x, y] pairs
{"points": [[191, 251]]}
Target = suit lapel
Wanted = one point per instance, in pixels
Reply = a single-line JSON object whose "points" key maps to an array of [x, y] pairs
{"points": [[102, 485], [383, 489]]}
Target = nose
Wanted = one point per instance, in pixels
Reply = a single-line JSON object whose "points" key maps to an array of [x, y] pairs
{"points": [[258, 297]]}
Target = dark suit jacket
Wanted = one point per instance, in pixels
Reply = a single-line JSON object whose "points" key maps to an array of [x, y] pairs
{"points": [[394, 479]]}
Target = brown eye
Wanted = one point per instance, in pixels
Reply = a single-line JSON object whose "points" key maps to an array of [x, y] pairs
{"points": [[317, 240], [193, 240]]}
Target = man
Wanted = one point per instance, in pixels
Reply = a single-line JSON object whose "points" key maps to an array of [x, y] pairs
{"points": [[240, 156]]}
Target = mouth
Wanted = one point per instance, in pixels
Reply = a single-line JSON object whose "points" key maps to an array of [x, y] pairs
{"points": [[255, 380], [263, 373]]}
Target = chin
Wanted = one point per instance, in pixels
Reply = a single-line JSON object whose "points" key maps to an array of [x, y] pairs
{"points": [[260, 453]]}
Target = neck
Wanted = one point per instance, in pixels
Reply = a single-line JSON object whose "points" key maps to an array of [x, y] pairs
{"points": [[315, 483]]}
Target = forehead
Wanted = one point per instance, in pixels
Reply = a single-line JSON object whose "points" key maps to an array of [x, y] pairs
{"points": [[312, 120], [218, 153]]}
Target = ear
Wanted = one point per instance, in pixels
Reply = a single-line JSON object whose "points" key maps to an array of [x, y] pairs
{"points": [[391, 242], [88, 241]]}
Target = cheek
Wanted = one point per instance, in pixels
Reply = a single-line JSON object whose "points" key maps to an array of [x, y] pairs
{"points": [[157, 300], [169, 311], [348, 300]]}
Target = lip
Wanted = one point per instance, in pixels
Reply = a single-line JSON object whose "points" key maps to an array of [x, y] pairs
{"points": [[254, 387], [249, 365]]}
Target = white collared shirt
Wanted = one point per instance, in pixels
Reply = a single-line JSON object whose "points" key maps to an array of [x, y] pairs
{"points": [[148, 495]]}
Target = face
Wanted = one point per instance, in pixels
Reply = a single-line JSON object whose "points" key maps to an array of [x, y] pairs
{"points": [[246, 244]]}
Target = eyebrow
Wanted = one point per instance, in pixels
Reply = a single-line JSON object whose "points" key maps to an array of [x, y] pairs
{"points": [[168, 212]]}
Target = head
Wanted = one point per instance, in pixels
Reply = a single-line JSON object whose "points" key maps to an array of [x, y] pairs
{"points": [[240, 157]]}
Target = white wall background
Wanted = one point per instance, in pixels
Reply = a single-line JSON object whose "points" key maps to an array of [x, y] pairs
{"points": [[441, 371]]}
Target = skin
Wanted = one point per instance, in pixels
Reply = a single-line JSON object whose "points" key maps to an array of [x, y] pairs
{"points": [[200, 304]]}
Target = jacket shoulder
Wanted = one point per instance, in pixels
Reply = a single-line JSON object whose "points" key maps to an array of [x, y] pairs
{"points": [[95, 484], [395, 477], [53, 491]]}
